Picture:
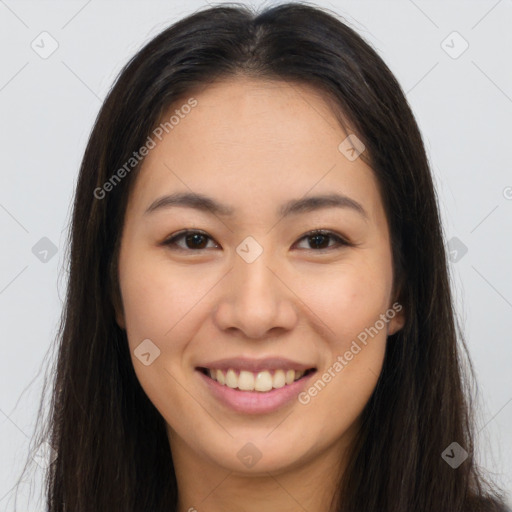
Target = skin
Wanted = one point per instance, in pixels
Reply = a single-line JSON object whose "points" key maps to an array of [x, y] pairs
{"points": [[253, 145]]}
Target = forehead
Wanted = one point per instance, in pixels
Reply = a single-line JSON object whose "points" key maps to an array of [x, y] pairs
{"points": [[261, 115], [256, 141]]}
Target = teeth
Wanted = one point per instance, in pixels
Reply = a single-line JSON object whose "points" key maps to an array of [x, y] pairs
{"points": [[261, 381], [219, 377], [279, 379], [231, 379], [246, 381]]}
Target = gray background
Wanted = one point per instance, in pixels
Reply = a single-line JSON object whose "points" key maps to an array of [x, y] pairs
{"points": [[462, 102]]}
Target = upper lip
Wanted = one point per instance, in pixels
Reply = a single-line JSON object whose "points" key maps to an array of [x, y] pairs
{"points": [[256, 365]]}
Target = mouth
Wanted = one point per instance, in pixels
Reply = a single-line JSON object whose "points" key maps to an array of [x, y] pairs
{"points": [[263, 381], [254, 385]]}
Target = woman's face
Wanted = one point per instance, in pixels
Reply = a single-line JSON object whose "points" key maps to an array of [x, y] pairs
{"points": [[255, 297]]}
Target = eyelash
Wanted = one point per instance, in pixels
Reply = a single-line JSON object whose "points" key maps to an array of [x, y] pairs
{"points": [[340, 241]]}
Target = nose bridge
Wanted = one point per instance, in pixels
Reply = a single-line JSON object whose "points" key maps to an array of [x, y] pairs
{"points": [[255, 300], [254, 283], [253, 257]]}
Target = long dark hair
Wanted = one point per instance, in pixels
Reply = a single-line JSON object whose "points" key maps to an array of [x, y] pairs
{"points": [[100, 417]]}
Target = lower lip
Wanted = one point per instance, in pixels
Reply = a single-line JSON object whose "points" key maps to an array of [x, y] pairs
{"points": [[255, 402]]}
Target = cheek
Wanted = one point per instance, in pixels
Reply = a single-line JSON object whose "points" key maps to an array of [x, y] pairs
{"points": [[155, 297], [351, 302], [157, 304], [350, 298]]}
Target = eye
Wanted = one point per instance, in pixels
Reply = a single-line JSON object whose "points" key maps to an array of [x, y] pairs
{"points": [[193, 239], [196, 240], [319, 237]]}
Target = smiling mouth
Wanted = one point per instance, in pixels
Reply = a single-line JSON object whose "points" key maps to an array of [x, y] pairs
{"points": [[262, 381]]}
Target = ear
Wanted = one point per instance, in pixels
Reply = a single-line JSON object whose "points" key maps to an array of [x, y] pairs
{"points": [[398, 320], [120, 319], [396, 311], [115, 290], [117, 303]]}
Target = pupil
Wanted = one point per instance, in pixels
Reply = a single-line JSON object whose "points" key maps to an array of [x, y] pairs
{"points": [[316, 237], [195, 237]]}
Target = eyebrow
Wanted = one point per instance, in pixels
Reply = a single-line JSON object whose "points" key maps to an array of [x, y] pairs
{"points": [[292, 207]]}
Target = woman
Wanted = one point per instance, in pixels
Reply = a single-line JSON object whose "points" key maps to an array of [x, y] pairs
{"points": [[258, 313]]}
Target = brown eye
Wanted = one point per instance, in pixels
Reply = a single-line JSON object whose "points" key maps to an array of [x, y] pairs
{"points": [[198, 240], [319, 240], [194, 240]]}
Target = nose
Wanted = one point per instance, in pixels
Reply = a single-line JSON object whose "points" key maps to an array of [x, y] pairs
{"points": [[256, 299]]}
